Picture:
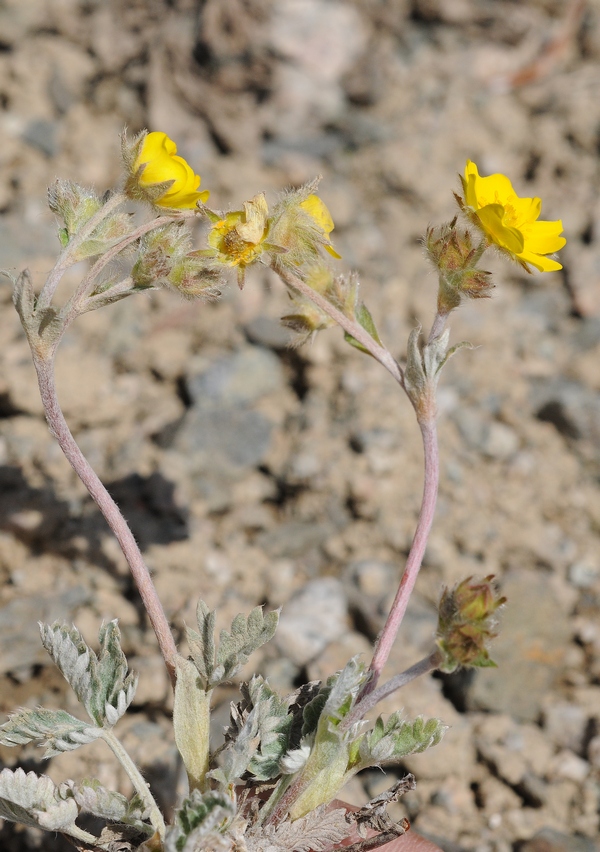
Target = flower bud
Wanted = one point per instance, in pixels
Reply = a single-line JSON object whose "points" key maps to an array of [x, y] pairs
{"points": [[157, 175], [453, 254], [466, 623], [301, 227]]}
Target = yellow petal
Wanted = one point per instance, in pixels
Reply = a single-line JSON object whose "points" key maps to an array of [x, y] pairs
{"points": [[491, 217], [319, 212], [544, 264]]}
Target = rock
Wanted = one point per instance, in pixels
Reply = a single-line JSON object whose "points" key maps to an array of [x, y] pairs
{"points": [[489, 437], [234, 380], [295, 538], [530, 650], [223, 441], [20, 646], [314, 617], [42, 134], [551, 840], [566, 725], [570, 406], [268, 332]]}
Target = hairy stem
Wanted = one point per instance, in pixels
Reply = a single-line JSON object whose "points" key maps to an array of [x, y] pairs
{"points": [[136, 778], [428, 664], [141, 575], [86, 285], [66, 257], [415, 557], [351, 326]]}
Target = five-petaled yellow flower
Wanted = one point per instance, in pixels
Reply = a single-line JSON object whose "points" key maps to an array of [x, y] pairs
{"points": [[157, 163], [318, 211], [511, 222]]}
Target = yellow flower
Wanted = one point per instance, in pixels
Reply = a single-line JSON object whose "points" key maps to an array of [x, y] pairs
{"points": [[318, 211], [509, 221], [238, 238], [157, 163]]}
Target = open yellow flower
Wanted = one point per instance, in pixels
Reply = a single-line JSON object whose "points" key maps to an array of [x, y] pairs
{"points": [[318, 211], [511, 222], [157, 163], [238, 239]]}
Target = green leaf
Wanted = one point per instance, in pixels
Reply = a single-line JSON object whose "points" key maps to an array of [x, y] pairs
{"points": [[93, 798], [363, 316], [103, 684], [235, 646], [34, 800], [57, 730], [200, 822], [191, 722], [396, 738], [274, 723]]}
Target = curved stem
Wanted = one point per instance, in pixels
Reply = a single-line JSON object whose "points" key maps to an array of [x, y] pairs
{"points": [[428, 664], [415, 557], [351, 326], [136, 778], [87, 281], [141, 575]]}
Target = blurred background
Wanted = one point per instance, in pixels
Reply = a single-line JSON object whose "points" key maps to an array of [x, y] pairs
{"points": [[252, 472]]}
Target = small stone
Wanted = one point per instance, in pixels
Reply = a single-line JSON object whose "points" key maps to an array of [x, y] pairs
{"points": [[313, 618], [530, 649], [20, 645], [551, 840], [235, 380], [43, 135], [295, 538], [569, 766], [223, 441], [566, 725], [268, 332], [584, 574]]}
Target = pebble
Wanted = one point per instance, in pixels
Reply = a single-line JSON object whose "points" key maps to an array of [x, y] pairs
{"points": [[551, 840], [566, 725], [234, 380], [530, 649], [570, 406], [20, 646], [314, 617]]}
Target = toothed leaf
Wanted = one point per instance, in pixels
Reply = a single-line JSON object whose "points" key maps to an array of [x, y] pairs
{"points": [[200, 822], [102, 683], [235, 646], [57, 730], [34, 800]]}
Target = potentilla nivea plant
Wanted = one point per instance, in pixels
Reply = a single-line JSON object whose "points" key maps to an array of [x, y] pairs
{"points": [[284, 758]]}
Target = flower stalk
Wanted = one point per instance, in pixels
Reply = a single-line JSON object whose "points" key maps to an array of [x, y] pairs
{"points": [[139, 570]]}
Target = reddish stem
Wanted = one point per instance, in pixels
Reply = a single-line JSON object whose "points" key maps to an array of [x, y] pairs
{"points": [[415, 557], [141, 575]]}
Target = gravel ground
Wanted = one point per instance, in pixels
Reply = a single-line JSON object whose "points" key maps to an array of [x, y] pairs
{"points": [[253, 472]]}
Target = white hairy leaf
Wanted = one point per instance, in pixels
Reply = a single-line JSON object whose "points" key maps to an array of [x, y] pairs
{"points": [[91, 797], [35, 800], [201, 823], [57, 730], [102, 683]]}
